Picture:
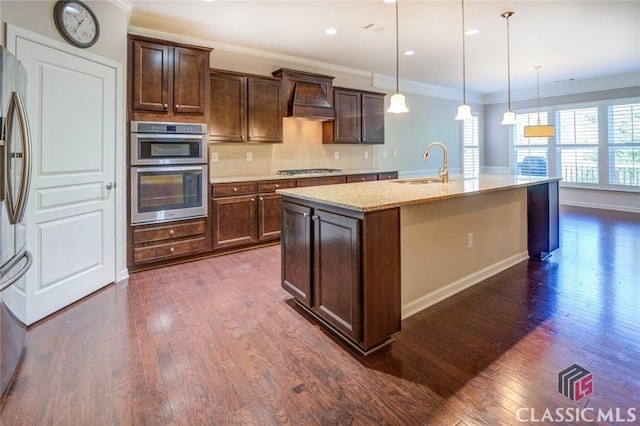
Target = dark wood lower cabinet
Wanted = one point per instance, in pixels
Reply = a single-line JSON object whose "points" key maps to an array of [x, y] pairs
{"points": [[268, 216], [234, 221], [349, 283]]}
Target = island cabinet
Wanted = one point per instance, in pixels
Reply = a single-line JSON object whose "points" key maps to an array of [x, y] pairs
{"points": [[359, 118], [543, 227], [350, 283], [244, 108], [168, 81]]}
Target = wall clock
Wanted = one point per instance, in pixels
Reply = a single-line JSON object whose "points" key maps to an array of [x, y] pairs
{"points": [[76, 22]]}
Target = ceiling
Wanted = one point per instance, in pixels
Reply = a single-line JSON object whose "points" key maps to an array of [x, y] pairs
{"points": [[570, 39]]}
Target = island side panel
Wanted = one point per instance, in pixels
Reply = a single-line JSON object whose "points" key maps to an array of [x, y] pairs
{"points": [[381, 276], [543, 219], [436, 262]]}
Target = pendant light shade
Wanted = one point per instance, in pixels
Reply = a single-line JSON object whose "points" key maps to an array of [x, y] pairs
{"points": [[397, 101], [509, 118], [464, 110], [539, 130], [397, 104]]}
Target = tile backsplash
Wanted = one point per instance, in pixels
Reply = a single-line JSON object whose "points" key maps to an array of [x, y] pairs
{"points": [[302, 148]]}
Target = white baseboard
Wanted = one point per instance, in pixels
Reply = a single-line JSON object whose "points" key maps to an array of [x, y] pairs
{"points": [[616, 207], [449, 290]]}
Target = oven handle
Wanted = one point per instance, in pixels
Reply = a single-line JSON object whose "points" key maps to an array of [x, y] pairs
{"points": [[169, 168], [169, 137]]}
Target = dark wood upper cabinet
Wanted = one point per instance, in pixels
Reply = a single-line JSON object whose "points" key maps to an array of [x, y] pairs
{"points": [[359, 118], [190, 75], [168, 82], [244, 108], [150, 75]]}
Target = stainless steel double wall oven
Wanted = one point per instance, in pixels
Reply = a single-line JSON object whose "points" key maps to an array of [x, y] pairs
{"points": [[169, 175]]}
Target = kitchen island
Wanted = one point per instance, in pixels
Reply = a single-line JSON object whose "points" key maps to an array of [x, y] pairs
{"points": [[362, 256]]}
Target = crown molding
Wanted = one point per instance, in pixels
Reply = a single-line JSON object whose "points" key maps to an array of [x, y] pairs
{"points": [[125, 5], [567, 88]]}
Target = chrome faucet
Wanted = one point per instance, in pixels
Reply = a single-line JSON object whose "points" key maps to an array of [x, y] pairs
{"points": [[444, 173]]}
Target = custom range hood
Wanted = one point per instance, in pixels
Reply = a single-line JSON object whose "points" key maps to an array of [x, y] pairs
{"points": [[306, 95]]}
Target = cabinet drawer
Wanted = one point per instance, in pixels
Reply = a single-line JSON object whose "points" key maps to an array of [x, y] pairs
{"points": [[271, 186], [327, 180], [362, 177], [388, 175], [231, 189], [169, 249], [167, 232]]}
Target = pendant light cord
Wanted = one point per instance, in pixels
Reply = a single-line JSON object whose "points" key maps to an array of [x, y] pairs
{"points": [[507, 15], [464, 79], [397, 52]]}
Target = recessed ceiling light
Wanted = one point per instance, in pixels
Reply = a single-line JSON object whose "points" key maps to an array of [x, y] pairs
{"points": [[472, 31], [331, 31], [409, 52]]}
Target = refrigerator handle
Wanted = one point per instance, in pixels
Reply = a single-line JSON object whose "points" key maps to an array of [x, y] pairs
{"points": [[17, 211], [29, 259]]}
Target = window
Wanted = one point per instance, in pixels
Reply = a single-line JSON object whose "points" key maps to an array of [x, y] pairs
{"points": [[596, 145], [623, 122], [470, 148], [530, 154], [577, 145]]}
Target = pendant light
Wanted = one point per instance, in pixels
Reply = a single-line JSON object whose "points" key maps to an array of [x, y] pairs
{"points": [[509, 118], [397, 101], [464, 110], [539, 130]]}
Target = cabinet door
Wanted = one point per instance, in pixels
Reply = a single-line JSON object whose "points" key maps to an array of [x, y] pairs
{"points": [[264, 117], [295, 249], [269, 216], [188, 80], [347, 123], [234, 221], [228, 119], [336, 266], [150, 85], [372, 118]]}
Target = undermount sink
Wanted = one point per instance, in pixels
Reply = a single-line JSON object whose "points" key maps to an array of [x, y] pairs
{"points": [[421, 181]]}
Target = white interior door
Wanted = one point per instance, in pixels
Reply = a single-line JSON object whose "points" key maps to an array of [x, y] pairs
{"points": [[71, 102]]}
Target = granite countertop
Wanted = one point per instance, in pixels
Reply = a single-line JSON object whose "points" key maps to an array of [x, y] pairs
{"points": [[385, 194], [275, 176]]}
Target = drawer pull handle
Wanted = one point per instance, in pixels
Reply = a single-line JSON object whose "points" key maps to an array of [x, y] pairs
{"points": [[165, 106], [315, 217], [171, 250], [235, 189], [171, 232], [261, 198], [305, 214], [253, 200], [361, 178], [277, 186], [177, 106]]}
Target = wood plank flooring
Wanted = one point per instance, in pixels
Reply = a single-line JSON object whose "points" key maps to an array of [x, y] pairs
{"points": [[216, 342]]}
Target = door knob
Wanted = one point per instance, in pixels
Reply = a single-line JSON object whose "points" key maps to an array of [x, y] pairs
{"points": [[110, 186]]}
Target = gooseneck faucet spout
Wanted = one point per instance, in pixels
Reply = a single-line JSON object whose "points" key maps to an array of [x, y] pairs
{"points": [[444, 173]]}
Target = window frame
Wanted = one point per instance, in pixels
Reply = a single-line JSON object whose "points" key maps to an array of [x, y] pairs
{"points": [[475, 119]]}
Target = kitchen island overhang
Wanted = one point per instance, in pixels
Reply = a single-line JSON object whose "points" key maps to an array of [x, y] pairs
{"points": [[377, 252]]}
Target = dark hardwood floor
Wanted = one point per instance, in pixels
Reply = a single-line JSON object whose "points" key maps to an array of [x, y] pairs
{"points": [[216, 342]]}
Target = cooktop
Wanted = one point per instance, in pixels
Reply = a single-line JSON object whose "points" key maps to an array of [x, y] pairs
{"points": [[306, 171]]}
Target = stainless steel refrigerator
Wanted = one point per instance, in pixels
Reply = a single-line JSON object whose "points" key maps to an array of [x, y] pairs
{"points": [[15, 174]]}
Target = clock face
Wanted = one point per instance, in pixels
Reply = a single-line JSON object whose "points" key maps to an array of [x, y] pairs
{"points": [[76, 23]]}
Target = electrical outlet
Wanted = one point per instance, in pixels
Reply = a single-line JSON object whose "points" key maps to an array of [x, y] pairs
{"points": [[336, 155], [366, 154], [470, 240], [214, 157], [385, 154], [249, 156]]}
